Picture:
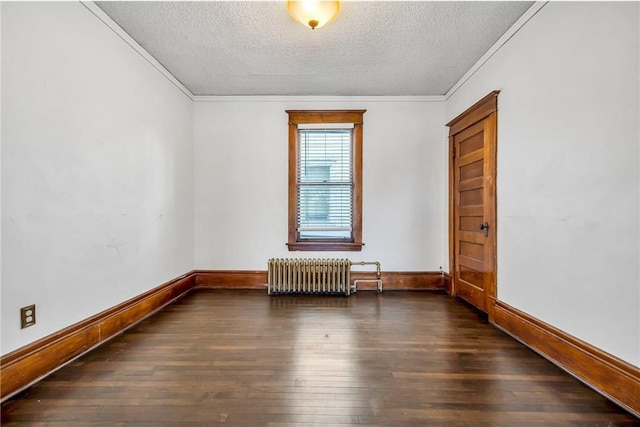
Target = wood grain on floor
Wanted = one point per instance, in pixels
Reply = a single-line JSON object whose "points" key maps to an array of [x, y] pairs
{"points": [[241, 358]]}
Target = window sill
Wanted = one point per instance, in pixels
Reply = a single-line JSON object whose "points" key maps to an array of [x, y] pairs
{"points": [[325, 246]]}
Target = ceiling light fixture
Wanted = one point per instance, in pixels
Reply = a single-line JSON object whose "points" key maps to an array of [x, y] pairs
{"points": [[313, 13]]}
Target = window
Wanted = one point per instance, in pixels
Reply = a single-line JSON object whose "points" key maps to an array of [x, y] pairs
{"points": [[325, 180]]}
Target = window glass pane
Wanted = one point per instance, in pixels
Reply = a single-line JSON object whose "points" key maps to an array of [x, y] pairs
{"points": [[326, 206], [325, 183]]}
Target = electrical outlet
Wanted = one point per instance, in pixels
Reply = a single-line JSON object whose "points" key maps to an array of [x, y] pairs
{"points": [[28, 316]]}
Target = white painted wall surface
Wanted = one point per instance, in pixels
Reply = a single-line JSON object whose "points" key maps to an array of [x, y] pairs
{"points": [[97, 192], [241, 182], [568, 170], [0, 176]]}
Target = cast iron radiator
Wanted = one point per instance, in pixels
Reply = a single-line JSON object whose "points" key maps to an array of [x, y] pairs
{"points": [[314, 276]]}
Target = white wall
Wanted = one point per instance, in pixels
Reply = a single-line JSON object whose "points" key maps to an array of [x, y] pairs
{"points": [[241, 178], [568, 170], [0, 179], [97, 193]]}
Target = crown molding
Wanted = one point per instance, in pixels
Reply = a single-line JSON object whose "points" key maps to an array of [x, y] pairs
{"points": [[315, 99], [530, 13], [99, 13]]}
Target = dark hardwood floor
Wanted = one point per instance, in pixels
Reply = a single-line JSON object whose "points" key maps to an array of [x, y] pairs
{"points": [[241, 358]]}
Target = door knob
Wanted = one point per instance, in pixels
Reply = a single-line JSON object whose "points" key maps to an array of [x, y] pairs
{"points": [[485, 227]]}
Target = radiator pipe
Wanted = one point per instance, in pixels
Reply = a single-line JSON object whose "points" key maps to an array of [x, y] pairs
{"points": [[378, 279]]}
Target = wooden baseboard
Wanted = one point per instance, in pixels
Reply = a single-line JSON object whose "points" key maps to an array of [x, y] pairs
{"points": [[231, 279], [30, 363], [608, 375], [392, 280], [401, 280], [447, 283]]}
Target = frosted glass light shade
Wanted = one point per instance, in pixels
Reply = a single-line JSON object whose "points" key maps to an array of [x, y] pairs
{"points": [[313, 13]]}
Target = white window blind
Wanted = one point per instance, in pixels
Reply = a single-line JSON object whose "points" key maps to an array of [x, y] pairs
{"points": [[325, 182]]}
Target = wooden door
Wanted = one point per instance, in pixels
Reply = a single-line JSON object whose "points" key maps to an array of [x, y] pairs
{"points": [[472, 203]]}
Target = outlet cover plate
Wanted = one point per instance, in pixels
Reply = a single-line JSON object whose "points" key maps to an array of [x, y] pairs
{"points": [[28, 316]]}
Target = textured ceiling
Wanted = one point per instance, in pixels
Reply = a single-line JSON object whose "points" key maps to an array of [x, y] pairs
{"points": [[372, 48]]}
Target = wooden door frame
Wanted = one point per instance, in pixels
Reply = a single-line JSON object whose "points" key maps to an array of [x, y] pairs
{"points": [[487, 107]]}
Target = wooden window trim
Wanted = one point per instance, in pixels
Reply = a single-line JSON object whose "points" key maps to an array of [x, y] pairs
{"points": [[297, 117]]}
